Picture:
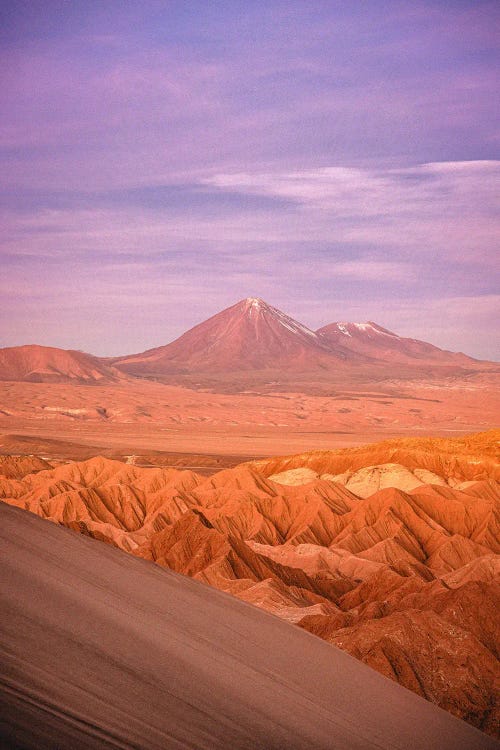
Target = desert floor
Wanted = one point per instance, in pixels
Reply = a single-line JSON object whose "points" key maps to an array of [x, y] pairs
{"points": [[199, 429]]}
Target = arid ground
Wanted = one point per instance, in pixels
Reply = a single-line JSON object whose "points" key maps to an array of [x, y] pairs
{"points": [[143, 419], [359, 507]]}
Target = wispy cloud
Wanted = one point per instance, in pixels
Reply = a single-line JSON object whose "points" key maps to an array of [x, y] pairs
{"points": [[449, 207], [171, 158], [373, 270]]}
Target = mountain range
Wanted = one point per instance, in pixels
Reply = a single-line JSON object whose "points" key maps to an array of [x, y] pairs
{"points": [[249, 343]]}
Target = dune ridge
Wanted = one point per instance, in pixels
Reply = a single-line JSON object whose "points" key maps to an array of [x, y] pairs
{"points": [[101, 650]]}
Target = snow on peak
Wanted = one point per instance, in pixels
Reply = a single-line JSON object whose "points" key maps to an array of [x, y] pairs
{"points": [[347, 329], [373, 327], [343, 330], [292, 325], [257, 305]]}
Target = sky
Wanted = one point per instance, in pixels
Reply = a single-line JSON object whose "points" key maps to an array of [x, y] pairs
{"points": [[162, 160]]}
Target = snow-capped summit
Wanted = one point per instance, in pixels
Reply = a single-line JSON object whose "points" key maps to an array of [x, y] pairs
{"points": [[353, 329], [250, 335], [379, 344], [256, 306]]}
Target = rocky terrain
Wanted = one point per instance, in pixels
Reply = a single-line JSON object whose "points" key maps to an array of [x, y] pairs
{"points": [[100, 650], [388, 551]]}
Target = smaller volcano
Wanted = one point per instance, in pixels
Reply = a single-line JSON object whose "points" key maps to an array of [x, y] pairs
{"points": [[371, 340]]}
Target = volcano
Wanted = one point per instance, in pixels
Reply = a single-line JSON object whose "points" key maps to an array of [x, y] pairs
{"points": [[377, 343], [252, 344], [250, 335], [254, 337]]}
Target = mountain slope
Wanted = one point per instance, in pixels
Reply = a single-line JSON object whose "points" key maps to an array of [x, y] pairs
{"points": [[252, 337], [251, 343], [46, 364], [124, 654], [377, 343]]}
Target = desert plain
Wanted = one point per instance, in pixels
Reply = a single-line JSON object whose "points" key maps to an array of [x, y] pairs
{"points": [[145, 418]]}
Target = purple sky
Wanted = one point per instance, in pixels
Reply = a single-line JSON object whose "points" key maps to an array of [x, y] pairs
{"points": [[162, 160]]}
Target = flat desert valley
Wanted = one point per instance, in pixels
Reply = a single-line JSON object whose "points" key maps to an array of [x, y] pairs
{"points": [[146, 419], [248, 382]]}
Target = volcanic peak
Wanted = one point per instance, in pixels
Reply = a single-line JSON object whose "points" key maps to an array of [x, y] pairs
{"points": [[347, 329], [254, 306], [255, 302], [249, 335], [254, 337]]}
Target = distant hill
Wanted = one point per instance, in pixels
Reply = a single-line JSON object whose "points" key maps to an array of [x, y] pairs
{"points": [[46, 364]]}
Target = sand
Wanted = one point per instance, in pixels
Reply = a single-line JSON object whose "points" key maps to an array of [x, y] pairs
{"points": [[102, 650]]}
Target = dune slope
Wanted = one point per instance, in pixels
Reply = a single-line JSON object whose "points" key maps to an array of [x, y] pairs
{"points": [[102, 650]]}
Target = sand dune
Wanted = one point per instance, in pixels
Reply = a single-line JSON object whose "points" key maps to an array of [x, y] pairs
{"points": [[101, 650]]}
